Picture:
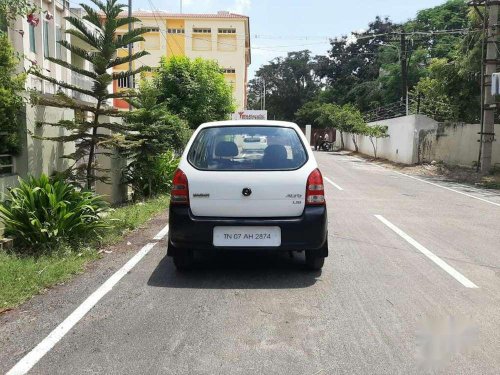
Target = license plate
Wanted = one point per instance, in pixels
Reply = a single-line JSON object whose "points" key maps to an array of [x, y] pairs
{"points": [[247, 236]]}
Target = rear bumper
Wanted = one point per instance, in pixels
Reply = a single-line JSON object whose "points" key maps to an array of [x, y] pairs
{"points": [[306, 232]]}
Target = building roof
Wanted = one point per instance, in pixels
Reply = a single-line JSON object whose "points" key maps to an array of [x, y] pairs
{"points": [[163, 14]]}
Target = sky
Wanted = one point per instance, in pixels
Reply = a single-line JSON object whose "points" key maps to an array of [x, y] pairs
{"points": [[281, 26]]}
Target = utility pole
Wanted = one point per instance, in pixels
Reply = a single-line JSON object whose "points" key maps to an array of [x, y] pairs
{"points": [[404, 70], [263, 94], [488, 130], [130, 78], [264, 81]]}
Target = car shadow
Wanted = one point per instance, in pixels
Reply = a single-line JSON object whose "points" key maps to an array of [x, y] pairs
{"points": [[237, 271]]}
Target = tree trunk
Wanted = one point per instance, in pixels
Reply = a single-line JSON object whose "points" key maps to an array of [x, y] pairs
{"points": [[341, 140], [92, 147], [91, 158], [355, 142], [374, 147]]}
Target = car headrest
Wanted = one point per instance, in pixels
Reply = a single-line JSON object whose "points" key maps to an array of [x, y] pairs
{"points": [[226, 149], [275, 152]]}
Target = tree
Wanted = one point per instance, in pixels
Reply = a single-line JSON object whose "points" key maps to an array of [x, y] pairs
{"points": [[329, 116], [101, 51], [364, 68], [290, 82], [374, 132], [439, 99], [352, 61], [346, 119], [10, 100], [195, 90], [152, 132], [308, 114]]}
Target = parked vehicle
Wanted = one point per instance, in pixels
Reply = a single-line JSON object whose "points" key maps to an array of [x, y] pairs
{"points": [[224, 197]]}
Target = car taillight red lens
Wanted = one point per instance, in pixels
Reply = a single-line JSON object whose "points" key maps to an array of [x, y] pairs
{"points": [[315, 191], [180, 189]]}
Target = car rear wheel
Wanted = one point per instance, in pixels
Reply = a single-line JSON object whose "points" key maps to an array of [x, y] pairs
{"points": [[183, 259], [315, 259]]}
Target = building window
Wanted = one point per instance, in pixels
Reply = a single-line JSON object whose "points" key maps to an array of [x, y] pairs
{"points": [[229, 71], [175, 31], [46, 45], [123, 82], [226, 42], [6, 164], [202, 30], [32, 38], [202, 43], [59, 48], [151, 42], [152, 29], [227, 31]]}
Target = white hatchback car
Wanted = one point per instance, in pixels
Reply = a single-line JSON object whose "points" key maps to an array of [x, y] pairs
{"points": [[225, 197]]}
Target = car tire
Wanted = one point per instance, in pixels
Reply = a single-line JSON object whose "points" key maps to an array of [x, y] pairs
{"points": [[315, 259], [183, 260]]}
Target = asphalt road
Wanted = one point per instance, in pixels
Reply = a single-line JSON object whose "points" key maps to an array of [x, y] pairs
{"points": [[412, 286]]}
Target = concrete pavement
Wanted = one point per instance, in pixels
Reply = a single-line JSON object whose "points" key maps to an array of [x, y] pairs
{"points": [[380, 305]]}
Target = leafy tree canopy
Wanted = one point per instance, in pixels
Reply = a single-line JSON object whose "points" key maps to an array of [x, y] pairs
{"points": [[290, 82], [195, 90]]}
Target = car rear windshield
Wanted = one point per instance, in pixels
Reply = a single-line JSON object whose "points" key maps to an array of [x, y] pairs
{"points": [[244, 148]]}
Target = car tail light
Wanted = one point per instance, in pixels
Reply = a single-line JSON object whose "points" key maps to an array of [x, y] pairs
{"points": [[315, 191], [180, 189]]}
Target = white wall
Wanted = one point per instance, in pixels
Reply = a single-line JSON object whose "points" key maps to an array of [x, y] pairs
{"points": [[418, 138], [455, 144], [401, 145]]}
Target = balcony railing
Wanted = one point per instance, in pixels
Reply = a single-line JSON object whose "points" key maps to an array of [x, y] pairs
{"points": [[85, 83]]}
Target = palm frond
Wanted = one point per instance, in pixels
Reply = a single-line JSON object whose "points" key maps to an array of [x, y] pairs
{"points": [[92, 16], [73, 68], [85, 34], [62, 83], [80, 52], [125, 59]]}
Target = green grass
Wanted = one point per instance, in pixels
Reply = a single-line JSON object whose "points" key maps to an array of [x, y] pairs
{"points": [[21, 277], [24, 276], [126, 218]]}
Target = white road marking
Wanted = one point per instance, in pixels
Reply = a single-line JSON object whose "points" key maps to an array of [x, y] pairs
{"points": [[447, 188], [30, 359], [159, 236], [441, 263], [333, 183]]}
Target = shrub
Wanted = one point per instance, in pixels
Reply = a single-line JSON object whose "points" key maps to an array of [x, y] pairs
{"points": [[41, 214], [152, 176]]}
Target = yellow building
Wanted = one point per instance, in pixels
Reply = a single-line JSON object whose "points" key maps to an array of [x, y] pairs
{"points": [[224, 37]]}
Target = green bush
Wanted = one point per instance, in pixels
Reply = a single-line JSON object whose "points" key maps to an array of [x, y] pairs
{"points": [[152, 176], [11, 101], [41, 214]]}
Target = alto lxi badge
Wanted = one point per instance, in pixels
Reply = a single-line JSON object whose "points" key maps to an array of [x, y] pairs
{"points": [[246, 192]]}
